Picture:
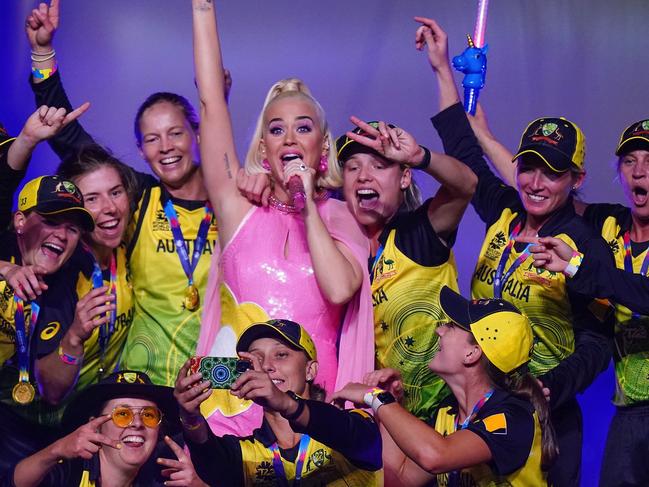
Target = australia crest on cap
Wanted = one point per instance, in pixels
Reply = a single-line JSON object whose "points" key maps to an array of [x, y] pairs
{"points": [[67, 189], [547, 132]]}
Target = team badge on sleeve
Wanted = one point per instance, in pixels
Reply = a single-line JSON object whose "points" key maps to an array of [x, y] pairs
{"points": [[496, 424]]}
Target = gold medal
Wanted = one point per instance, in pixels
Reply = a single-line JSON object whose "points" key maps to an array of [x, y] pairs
{"points": [[23, 393], [192, 300]]}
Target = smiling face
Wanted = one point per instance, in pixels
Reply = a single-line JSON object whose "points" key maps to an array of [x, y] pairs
{"points": [[541, 189], [169, 144], [138, 441], [289, 369], [106, 199], [633, 169], [292, 129], [455, 346], [47, 241], [373, 188]]}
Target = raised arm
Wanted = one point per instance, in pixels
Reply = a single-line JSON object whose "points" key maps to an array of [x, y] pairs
{"points": [[430, 35], [491, 195], [43, 124], [499, 155], [218, 155], [40, 27], [446, 208]]}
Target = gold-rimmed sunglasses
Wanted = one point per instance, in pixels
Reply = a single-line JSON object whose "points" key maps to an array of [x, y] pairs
{"points": [[123, 416]]}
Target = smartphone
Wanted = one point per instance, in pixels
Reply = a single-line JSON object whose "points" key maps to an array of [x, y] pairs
{"points": [[220, 371]]}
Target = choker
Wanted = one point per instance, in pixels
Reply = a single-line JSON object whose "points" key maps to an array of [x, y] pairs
{"points": [[287, 208]]}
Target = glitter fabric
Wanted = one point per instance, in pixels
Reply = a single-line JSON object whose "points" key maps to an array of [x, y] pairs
{"points": [[268, 262], [267, 272]]}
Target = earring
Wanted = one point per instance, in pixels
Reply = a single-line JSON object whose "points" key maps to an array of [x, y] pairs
{"points": [[574, 188], [265, 164], [324, 164]]}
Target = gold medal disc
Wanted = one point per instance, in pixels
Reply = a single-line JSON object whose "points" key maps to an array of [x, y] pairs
{"points": [[23, 393], [192, 300]]}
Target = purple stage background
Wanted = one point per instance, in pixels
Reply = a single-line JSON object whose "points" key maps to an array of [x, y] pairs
{"points": [[582, 59]]}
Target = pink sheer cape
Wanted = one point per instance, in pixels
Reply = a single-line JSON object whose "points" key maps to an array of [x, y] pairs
{"points": [[356, 346]]}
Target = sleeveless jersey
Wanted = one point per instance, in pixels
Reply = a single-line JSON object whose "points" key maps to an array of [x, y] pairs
{"points": [[405, 296], [163, 334]]}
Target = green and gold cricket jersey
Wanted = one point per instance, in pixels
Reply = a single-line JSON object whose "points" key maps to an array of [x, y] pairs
{"points": [[164, 333], [92, 359], [570, 329], [413, 266], [540, 294], [631, 351]]}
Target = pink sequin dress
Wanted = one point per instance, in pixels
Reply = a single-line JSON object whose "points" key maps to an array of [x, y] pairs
{"points": [[267, 272]]}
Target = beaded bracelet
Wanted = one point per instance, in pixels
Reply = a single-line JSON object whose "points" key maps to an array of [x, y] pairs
{"points": [[66, 358], [41, 58], [34, 53]]}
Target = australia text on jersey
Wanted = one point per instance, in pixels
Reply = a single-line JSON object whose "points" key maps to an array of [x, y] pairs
{"points": [[167, 245]]}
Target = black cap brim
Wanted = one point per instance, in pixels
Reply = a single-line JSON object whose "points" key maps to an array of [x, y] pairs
{"points": [[352, 148], [456, 307], [80, 216], [631, 144], [553, 158], [263, 330]]}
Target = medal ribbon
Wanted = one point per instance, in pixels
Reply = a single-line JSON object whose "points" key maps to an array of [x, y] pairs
{"points": [[628, 263], [107, 329], [199, 243], [23, 336], [454, 476], [500, 279], [278, 466], [379, 253]]}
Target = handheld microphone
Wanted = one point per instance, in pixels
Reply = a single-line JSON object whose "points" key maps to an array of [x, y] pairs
{"points": [[296, 190]]}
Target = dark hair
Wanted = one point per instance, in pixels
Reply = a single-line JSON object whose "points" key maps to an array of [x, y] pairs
{"points": [[317, 392], [160, 97], [92, 157], [522, 384]]}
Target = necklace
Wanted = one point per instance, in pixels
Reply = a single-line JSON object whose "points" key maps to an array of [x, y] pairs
{"points": [[287, 207]]}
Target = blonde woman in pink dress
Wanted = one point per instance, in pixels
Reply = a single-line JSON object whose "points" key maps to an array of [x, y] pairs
{"points": [[306, 265]]}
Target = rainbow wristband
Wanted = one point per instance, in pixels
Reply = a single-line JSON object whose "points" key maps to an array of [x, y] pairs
{"points": [[573, 266], [44, 73], [67, 358]]}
